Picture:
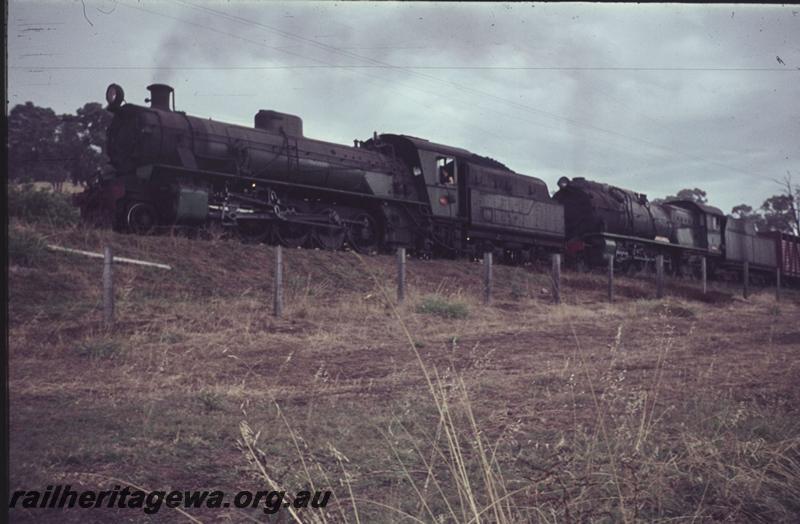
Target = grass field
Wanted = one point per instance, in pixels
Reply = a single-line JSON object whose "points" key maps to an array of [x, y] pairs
{"points": [[437, 409]]}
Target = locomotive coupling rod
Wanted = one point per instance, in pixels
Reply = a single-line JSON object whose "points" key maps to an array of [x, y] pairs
{"points": [[272, 199], [307, 220], [317, 220], [311, 221]]}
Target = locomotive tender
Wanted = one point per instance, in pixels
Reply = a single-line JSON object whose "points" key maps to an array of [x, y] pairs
{"points": [[271, 183]]}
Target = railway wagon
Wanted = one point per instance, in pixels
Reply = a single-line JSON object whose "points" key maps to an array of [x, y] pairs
{"points": [[787, 253], [742, 244]]}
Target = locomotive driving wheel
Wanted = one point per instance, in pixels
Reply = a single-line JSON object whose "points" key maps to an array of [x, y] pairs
{"points": [[254, 231], [627, 267], [363, 234], [141, 218], [293, 234], [330, 236], [213, 230]]}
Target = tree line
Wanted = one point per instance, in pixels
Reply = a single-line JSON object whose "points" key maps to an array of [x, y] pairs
{"points": [[45, 146], [777, 213]]}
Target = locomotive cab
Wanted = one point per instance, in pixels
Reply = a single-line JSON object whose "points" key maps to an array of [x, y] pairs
{"points": [[706, 225], [476, 202]]}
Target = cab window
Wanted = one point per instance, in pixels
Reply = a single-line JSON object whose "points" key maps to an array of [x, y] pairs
{"points": [[446, 169], [713, 222]]}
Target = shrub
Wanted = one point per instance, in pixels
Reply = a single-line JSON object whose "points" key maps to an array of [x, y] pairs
{"points": [[210, 400], [24, 248], [672, 309], [31, 205], [102, 348], [442, 308]]}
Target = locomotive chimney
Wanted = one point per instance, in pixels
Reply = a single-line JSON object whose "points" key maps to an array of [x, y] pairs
{"points": [[159, 96]]}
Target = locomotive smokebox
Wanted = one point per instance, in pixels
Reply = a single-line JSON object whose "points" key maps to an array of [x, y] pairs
{"points": [[159, 96], [276, 122]]}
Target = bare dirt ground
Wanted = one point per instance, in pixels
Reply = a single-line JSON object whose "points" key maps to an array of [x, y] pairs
{"points": [[440, 408]]}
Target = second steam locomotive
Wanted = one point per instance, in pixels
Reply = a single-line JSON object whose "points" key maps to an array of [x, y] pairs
{"points": [[270, 183]]}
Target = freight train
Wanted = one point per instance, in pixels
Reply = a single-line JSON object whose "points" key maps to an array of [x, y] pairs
{"points": [[271, 183]]}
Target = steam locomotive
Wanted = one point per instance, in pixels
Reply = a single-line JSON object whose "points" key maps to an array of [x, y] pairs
{"points": [[603, 220], [271, 183]]}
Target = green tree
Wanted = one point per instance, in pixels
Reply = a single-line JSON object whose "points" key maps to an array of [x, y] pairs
{"points": [[780, 214], [84, 142], [743, 211], [43, 146], [694, 195], [781, 211], [33, 150]]}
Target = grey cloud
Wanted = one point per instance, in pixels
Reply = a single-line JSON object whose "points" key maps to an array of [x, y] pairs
{"points": [[653, 131]]}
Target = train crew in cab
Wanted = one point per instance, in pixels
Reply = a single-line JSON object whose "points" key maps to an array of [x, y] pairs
{"points": [[446, 171], [444, 177]]}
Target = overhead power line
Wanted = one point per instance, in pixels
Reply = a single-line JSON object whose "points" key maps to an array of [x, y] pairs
{"points": [[414, 67]]}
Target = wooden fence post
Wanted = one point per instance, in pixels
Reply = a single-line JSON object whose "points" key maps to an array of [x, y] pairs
{"points": [[704, 274], [556, 278], [610, 278], [108, 287], [659, 276], [277, 303], [746, 280], [401, 274], [778, 285], [487, 277]]}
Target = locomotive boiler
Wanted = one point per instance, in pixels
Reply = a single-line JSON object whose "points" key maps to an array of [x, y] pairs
{"points": [[269, 182]]}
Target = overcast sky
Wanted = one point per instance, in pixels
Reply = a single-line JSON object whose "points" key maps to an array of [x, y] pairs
{"points": [[648, 97]]}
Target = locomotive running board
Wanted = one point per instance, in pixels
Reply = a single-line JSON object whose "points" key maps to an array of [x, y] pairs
{"points": [[294, 185], [656, 243]]}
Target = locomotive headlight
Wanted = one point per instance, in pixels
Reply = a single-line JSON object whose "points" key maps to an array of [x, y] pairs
{"points": [[114, 96], [563, 182]]}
